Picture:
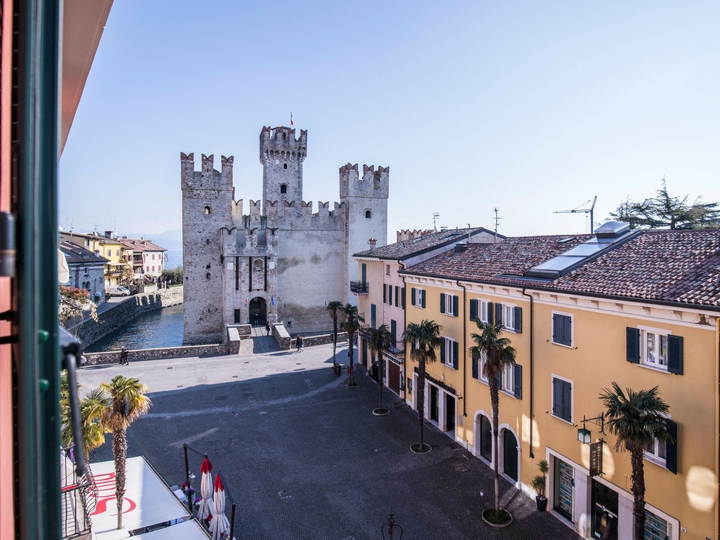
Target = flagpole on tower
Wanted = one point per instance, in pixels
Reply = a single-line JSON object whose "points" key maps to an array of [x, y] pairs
{"points": [[292, 122]]}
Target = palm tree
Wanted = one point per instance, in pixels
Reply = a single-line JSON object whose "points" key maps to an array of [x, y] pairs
{"points": [[637, 419], [498, 354], [333, 307], [422, 340], [380, 340], [127, 401], [92, 411], [351, 326]]}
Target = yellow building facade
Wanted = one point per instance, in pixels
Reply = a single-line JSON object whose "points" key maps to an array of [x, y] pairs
{"points": [[573, 341]]}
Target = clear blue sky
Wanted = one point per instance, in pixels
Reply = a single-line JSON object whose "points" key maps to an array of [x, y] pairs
{"points": [[530, 107]]}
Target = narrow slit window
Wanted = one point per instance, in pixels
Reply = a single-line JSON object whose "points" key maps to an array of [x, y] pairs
{"points": [[283, 188], [208, 210], [368, 214]]}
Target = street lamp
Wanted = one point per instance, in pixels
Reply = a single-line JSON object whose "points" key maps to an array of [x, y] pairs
{"points": [[584, 435], [390, 526]]}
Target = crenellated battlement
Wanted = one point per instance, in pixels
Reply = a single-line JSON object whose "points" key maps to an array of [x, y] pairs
{"points": [[281, 143], [404, 235], [254, 207], [207, 177], [249, 241], [373, 184]]}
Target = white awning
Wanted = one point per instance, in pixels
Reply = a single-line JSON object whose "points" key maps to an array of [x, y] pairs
{"points": [[188, 530], [148, 501]]}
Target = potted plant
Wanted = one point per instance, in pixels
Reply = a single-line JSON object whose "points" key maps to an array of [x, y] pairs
{"points": [[538, 484]]}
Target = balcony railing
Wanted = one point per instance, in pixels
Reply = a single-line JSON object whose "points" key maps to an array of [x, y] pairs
{"points": [[79, 497], [359, 287]]}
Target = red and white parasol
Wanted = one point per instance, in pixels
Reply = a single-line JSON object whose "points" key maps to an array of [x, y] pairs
{"points": [[219, 524], [205, 507]]}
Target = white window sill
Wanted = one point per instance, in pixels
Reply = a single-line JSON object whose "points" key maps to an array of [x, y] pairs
{"points": [[655, 461], [562, 345], [562, 419], [659, 369]]}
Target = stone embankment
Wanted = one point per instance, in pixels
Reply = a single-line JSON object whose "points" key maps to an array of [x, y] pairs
{"points": [[187, 351], [89, 331]]}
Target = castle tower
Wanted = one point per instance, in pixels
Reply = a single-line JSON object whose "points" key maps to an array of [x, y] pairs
{"points": [[206, 206], [365, 201], [282, 156]]}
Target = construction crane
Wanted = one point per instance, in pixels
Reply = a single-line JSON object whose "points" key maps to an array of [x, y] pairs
{"points": [[581, 210]]}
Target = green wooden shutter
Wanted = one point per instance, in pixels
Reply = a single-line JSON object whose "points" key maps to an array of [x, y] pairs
{"points": [[364, 274], [423, 297], [671, 448], [442, 351], [384, 294], [442, 302], [555, 328], [557, 398], [373, 315], [517, 376], [567, 401], [473, 310], [475, 368], [412, 296], [490, 313], [456, 305], [397, 296], [456, 354], [518, 320], [498, 313], [402, 298], [393, 331], [675, 354], [390, 291], [632, 345], [567, 331]]}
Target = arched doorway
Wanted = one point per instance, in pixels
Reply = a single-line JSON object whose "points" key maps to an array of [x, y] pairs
{"points": [[258, 311], [484, 430], [510, 454]]}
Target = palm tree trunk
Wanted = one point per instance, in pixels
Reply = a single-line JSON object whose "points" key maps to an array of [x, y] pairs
{"points": [[421, 400], [119, 447], [351, 379], [496, 439], [638, 490], [334, 339]]}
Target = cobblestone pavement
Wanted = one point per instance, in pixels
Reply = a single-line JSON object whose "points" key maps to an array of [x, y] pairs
{"points": [[304, 457]]}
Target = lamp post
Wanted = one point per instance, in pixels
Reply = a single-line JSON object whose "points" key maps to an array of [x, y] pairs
{"points": [[584, 435], [390, 526]]}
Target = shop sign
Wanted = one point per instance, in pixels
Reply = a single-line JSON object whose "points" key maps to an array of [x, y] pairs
{"points": [[596, 455]]}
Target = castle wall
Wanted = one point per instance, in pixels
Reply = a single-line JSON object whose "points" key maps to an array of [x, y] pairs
{"points": [[309, 277]]}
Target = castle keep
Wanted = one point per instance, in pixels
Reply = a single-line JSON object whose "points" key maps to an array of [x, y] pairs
{"points": [[279, 262]]}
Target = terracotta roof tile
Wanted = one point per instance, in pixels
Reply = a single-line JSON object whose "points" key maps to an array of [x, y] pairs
{"points": [[399, 250], [75, 254]]}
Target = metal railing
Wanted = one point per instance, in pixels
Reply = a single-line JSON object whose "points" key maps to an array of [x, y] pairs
{"points": [[78, 498], [359, 287]]}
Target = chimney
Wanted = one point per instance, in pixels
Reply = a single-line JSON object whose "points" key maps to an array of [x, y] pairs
{"points": [[372, 243]]}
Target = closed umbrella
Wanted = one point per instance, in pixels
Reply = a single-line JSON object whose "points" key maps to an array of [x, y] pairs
{"points": [[205, 510], [219, 524]]}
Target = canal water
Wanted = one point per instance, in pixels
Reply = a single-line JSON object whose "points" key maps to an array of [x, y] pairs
{"points": [[159, 328]]}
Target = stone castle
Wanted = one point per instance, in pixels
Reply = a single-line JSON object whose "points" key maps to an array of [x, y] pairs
{"points": [[280, 262]]}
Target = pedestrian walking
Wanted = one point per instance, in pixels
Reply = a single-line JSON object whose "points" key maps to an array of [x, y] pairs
{"points": [[124, 356], [299, 343], [267, 328]]}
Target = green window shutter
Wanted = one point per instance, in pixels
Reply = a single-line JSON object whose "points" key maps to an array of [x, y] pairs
{"points": [[456, 305], [671, 448], [442, 351], [456, 354], [393, 331], [412, 296], [567, 401], [490, 313], [384, 294], [402, 298], [397, 296], [498, 313], [373, 315], [555, 328], [499, 379], [364, 274], [675, 354], [442, 302], [423, 297], [475, 368], [517, 376], [632, 345], [518, 319], [557, 398], [473, 310], [567, 331], [390, 290]]}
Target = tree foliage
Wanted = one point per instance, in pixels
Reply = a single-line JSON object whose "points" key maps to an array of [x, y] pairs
{"points": [[664, 211], [173, 277]]}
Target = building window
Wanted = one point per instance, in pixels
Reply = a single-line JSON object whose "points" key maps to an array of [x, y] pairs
{"points": [[117, 252], [387, 269], [450, 353], [562, 329], [373, 316], [368, 214], [86, 271], [655, 348], [397, 296], [402, 297], [284, 165], [283, 188], [236, 316], [562, 399], [449, 304], [480, 309], [662, 453], [109, 251], [656, 528], [657, 453], [508, 315], [207, 210], [387, 294], [417, 297]]}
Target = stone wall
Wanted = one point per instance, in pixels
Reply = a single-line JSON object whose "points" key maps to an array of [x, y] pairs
{"points": [[190, 351], [89, 331]]}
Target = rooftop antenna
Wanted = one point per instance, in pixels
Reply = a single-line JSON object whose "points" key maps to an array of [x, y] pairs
{"points": [[580, 210], [436, 215], [497, 219]]}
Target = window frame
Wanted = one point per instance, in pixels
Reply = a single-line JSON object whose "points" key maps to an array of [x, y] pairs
{"points": [[450, 300], [552, 398], [419, 296], [572, 329], [659, 333], [448, 353]]}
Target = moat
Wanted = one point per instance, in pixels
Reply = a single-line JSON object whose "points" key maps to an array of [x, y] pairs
{"points": [[159, 328]]}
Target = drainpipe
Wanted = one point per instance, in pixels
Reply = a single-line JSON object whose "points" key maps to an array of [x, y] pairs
{"points": [[532, 374], [404, 326], [464, 350]]}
